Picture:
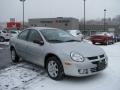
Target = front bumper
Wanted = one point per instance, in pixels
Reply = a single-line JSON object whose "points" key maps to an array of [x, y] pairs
{"points": [[86, 68]]}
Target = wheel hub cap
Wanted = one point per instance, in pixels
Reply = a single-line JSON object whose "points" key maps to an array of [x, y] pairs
{"points": [[53, 68], [13, 55]]}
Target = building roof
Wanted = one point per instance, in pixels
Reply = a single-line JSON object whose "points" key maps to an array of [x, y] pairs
{"points": [[41, 28]]}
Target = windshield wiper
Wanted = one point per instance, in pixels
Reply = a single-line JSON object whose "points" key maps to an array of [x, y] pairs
{"points": [[73, 41], [56, 41]]}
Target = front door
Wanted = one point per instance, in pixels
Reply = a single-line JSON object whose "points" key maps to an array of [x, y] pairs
{"points": [[35, 51]]}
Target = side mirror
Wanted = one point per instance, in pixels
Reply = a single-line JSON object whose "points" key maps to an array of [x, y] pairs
{"points": [[38, 42]]}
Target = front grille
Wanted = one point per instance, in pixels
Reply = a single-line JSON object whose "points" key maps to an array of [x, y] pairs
{"points": [[92, 58], [100, 65], [101, 56], [96, 57]]}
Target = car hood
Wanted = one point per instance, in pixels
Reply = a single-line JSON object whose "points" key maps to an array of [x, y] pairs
{"points": [[85, 49]]}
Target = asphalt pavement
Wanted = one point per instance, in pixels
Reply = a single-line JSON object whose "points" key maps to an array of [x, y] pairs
{"points": [[5, 59]]}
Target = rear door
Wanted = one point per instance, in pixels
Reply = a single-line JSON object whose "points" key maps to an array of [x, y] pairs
{"points": [[21, 44]]}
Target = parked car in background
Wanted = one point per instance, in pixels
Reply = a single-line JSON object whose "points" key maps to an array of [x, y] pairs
{"points": [[4, 35], [14, 33], [117, 37], [59, 52], [102, 38], [76, 33]]}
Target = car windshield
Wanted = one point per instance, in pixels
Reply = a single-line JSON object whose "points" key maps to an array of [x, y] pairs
{"points": [[58, 36], [4, 31], [13, 32]]}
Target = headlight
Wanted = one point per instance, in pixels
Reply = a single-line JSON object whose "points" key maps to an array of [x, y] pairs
{"points": [[77, 57]]}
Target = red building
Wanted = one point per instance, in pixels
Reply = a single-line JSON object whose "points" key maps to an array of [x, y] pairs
{"points": [[14, 25]]}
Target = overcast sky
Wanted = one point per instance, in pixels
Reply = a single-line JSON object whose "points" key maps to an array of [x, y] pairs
{"points": [[58, 8]]}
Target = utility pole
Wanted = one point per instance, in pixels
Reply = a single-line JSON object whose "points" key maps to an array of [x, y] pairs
{"points": [[105, 19], [84, 17], [23, 12]]}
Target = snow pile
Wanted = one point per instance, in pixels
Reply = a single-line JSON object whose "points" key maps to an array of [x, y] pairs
{"points": [[87, 41], [4, 43], [26, 76]]}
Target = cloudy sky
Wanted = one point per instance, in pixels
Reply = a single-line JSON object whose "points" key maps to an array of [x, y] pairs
{"points": [[58, 8]]}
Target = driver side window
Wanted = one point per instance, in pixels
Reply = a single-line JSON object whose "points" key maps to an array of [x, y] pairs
{"points": [[23, 35], [34, 35]]}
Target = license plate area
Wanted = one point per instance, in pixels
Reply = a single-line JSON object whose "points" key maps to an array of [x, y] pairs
{"points": [[100, 66]]}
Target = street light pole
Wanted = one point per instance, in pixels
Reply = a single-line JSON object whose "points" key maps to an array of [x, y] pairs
{"points": [[105, 19], [23, 12], [84, 17]]}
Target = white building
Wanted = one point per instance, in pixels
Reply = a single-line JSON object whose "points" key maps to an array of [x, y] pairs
{"points": [[65, 23]]}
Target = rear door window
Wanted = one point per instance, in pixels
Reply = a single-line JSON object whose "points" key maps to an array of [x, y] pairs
{"points": [[13, 32], [23, 35]]}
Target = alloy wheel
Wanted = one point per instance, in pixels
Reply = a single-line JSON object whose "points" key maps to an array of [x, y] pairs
{"points": [[53, 68], [13, 55]]}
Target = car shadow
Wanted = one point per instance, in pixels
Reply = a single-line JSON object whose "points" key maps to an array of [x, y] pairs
{"points": [[86, 79]]}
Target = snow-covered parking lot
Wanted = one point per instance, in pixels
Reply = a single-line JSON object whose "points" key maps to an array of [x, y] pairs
{"points": [[25, 76]]}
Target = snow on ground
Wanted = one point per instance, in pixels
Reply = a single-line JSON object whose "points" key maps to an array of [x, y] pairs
{"points": [[85, 40], [17, 77], [26, 76]]}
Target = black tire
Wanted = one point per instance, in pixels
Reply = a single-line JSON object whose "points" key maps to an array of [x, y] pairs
{"points": [[2, 39], [60, 72], [93, 42], [14, 58]]}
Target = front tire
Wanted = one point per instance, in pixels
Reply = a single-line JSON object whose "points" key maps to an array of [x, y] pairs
{"points": [[14, 56], [93, 42], [54, 68]]}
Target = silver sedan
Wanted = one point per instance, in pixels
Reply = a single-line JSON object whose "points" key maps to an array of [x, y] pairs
{"points": [[58, 52]]}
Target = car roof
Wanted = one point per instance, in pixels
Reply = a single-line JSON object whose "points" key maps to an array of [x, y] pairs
{"points": [[41, 28], [3, 30]]}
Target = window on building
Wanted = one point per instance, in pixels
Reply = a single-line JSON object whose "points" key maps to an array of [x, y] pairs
{"points": [[35, 25], [56, 21], [66, 24]]}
